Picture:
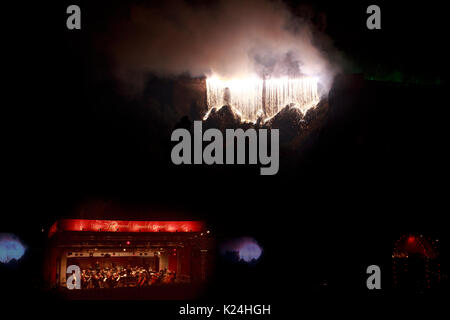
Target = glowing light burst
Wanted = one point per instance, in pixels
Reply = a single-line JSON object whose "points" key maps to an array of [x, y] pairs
{"points": [[246, 249], [10, 248], [249, 251], [254, 97]]}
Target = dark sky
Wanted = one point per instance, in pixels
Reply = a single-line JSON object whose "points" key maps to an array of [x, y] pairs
{"points": [[67, 120], [71, 133]]}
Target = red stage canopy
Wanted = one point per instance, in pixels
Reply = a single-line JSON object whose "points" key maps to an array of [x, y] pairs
{"points": [[126, 226]]}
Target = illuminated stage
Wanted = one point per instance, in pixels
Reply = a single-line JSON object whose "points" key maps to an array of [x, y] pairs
{"points": [[182, 249]]}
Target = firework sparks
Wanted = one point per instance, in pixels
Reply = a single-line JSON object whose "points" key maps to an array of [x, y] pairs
{"points": [[255, 97]]}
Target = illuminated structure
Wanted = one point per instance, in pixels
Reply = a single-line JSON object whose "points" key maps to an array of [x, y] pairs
{"points": [[416, 263], [183, 247]]}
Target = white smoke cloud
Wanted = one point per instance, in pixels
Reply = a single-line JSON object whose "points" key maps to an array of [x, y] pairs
{"points": [[229, 38]]}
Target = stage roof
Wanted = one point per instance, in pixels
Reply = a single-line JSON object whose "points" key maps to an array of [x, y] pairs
{"points": [[125, 226]]}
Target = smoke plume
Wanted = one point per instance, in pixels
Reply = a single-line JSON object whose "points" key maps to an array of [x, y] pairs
{"points": [[228, 38]]}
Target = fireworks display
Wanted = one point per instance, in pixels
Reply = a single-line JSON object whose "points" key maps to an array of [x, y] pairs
{"points": [[256, 97]]}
